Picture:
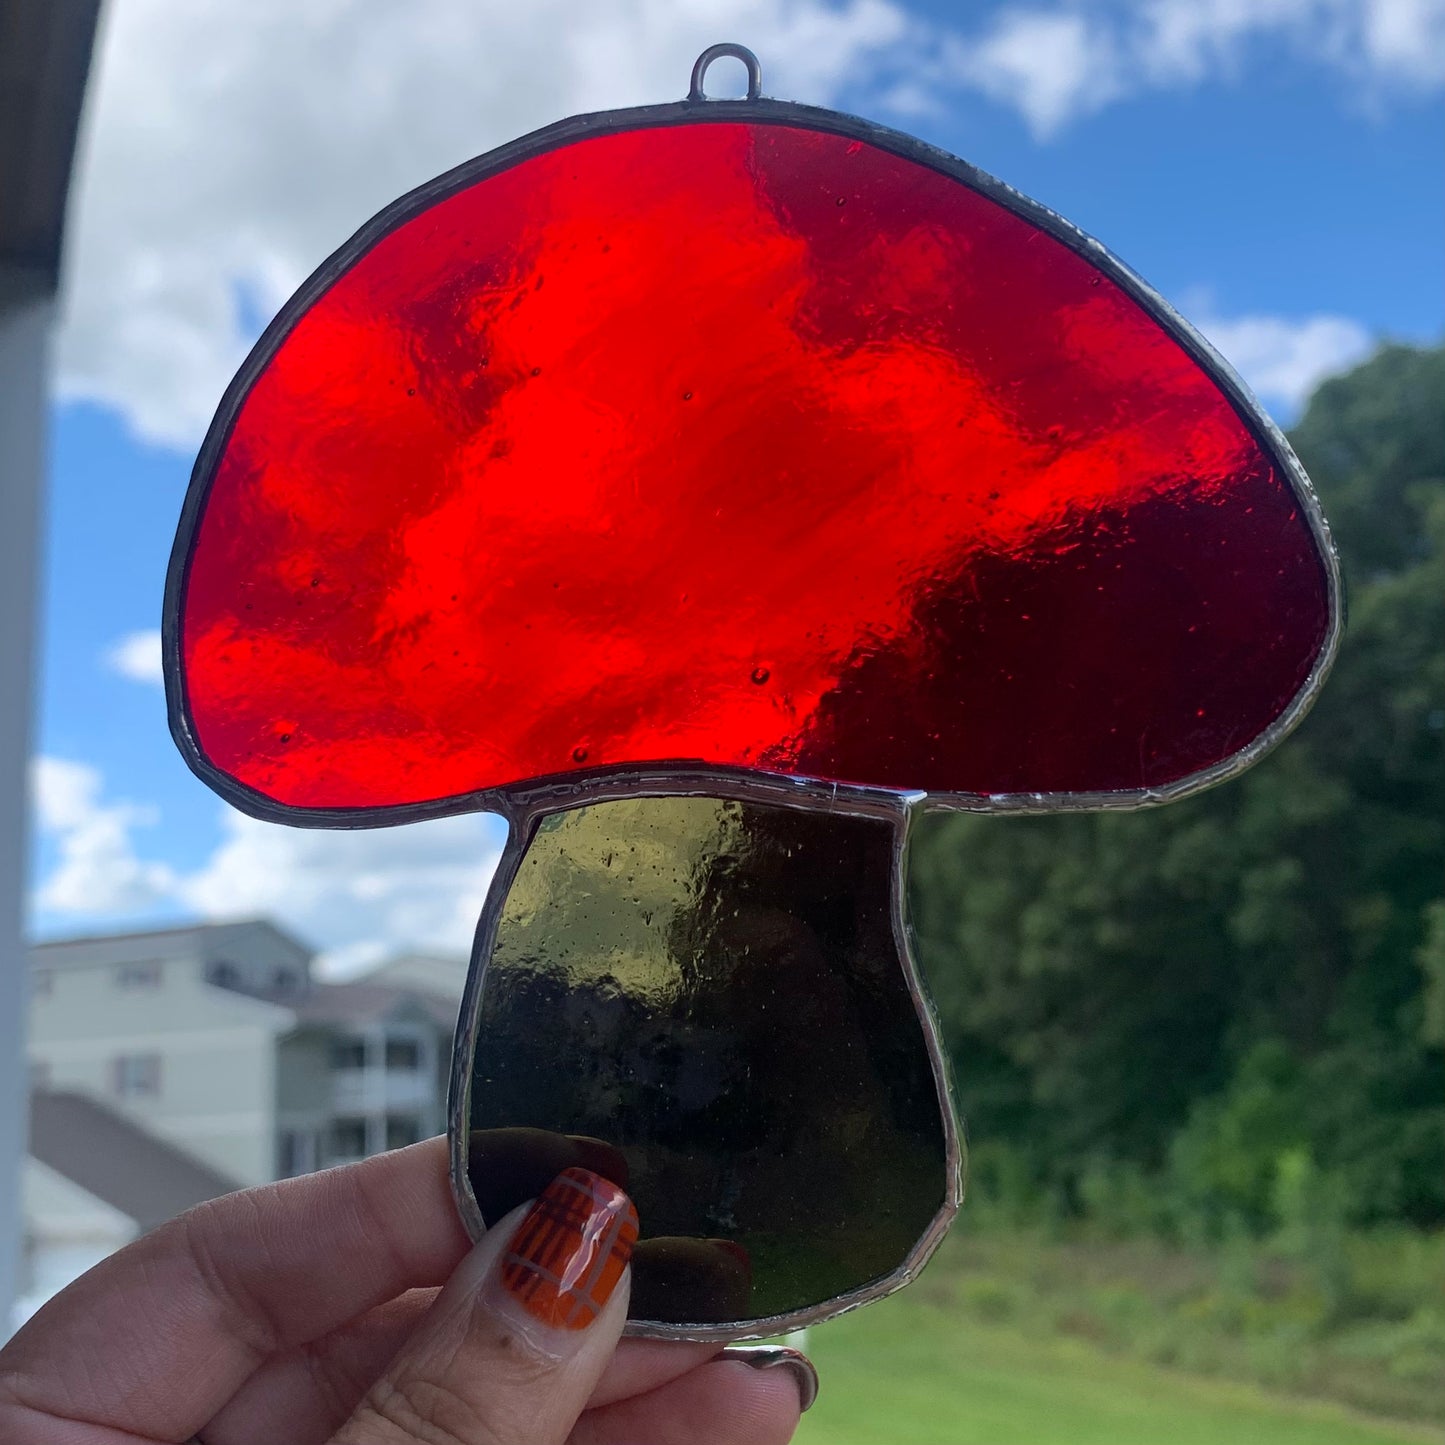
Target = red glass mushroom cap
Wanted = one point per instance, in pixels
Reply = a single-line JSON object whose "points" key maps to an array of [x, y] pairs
{"points": [[736, 435]]}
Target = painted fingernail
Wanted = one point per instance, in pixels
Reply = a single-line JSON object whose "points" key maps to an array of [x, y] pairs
{"points": [[780, 1357], [570, 1251]]}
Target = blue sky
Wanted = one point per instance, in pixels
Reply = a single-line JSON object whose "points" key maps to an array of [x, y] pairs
{"points": [[1272, 166]]}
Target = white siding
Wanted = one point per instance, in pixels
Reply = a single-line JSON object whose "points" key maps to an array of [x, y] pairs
{"points": [[216, 1096]]}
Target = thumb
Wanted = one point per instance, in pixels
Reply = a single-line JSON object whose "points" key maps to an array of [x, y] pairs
{"points": [[511, 1350]]}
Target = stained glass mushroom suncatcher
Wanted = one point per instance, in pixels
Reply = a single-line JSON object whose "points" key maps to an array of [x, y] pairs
{"points": [[708, 488]]}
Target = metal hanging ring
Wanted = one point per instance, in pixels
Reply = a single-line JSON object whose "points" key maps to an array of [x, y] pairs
{"points": [[716, 52]]}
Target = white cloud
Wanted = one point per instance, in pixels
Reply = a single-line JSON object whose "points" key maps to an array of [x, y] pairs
{"points": [[1057, 63], [137, 656], [1283, 359], [1050, 65], [1407, 38], [96, 871], [359, 894]]}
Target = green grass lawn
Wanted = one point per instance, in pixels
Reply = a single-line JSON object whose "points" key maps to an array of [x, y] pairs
{"points": [[905, 1372]]}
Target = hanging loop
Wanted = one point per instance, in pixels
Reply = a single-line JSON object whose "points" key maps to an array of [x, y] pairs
{"points": [[716, 52]]}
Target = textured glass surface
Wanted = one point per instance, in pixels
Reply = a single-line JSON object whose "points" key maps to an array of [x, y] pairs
{"points": [[743, 444], [707, 997]]}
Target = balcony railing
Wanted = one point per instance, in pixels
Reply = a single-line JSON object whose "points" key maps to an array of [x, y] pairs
{"points": [[371, 1090]]}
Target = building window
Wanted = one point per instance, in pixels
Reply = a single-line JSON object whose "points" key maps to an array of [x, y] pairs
{"points": [[223, 974], [348, 1053], [42, 983], [404, 1054], [138, 975], [401, 1130], [298, 1152], [348, 1138], [284, 980], [136, 1076]]}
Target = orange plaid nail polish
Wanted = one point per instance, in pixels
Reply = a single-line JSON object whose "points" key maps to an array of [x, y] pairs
{"points": [[568, 1254]]}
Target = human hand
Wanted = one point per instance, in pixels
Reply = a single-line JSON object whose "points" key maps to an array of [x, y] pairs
{"points": [[310, 1311]]}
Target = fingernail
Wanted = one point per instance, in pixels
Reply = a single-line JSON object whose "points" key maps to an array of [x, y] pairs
{"points": [[780, 1357], [570, 1251]]}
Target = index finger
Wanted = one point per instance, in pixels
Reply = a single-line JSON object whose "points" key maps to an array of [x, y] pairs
{"points": [[156, 1338]]}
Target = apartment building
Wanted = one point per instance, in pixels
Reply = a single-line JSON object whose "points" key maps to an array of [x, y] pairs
{"points": [[218, 1040]]}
